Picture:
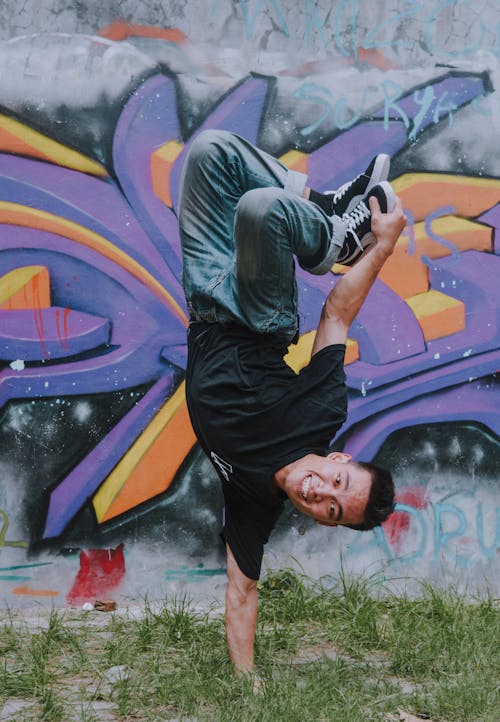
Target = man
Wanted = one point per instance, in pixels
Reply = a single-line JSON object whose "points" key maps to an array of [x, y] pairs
{"points": [[243, 218]]}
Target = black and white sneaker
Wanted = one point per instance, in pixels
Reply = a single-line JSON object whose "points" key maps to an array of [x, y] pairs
{"points": [[347, 197], [358, 223]]}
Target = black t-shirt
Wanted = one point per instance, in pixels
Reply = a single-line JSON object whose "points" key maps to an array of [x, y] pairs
{"points": [[252, 415]]}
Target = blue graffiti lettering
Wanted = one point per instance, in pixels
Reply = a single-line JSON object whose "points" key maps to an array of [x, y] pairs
{"points": [[353, 24], [394, 19], [388, 33], [410, 231], [339, 112], [310, 92], [314, 24], [433, 538], [315, 94], [496, 49], [445, 105], [416, 514], [261, 4], [382, 543], [478, 106], [441, 538], [424, 98], [430, 29], [489, 551], [439, 213], [392, 92]]}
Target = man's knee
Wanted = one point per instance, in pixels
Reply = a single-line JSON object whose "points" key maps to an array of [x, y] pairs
{"points": [[207, 143], [258, 230], [259, 207]]}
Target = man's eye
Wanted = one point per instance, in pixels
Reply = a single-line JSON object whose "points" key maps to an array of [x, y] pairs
{"points": [[337, 480], [332, 510]]}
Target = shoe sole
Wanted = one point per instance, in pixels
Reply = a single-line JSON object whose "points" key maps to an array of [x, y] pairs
{"points": [[390, 198], [379, 175], [389, 195]]}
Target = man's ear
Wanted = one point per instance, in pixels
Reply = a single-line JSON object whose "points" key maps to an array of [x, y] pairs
{"points": [[340, 456]]}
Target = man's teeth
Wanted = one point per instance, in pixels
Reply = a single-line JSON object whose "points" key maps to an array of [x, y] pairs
{"points": [[305, 486]]}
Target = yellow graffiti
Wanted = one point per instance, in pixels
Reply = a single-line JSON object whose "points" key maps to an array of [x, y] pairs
{"points": [[151, 463], [16, 214], [16, 137], [299, 354], [3, 533]]}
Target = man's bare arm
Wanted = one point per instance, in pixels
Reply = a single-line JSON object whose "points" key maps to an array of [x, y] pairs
{"points": [[241, 616], [345, 300]]}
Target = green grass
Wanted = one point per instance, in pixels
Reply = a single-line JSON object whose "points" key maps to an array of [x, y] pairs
{"points": [[342, 653]]}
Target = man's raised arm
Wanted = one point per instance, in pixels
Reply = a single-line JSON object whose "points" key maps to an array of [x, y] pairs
{"points": [[345, 300], [241, 616]]}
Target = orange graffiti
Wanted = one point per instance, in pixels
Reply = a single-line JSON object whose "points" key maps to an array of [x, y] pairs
{"points": [[162, 162], [423, 192], [28, 592], [121, 30], [25, 288], [150, 465]]}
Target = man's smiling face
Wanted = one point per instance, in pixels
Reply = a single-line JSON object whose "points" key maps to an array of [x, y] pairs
{"points": [[331, 489]]}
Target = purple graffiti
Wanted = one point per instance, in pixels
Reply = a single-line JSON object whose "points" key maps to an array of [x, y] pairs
{"points": [[47, 333], [463, 402], [118, 317]]}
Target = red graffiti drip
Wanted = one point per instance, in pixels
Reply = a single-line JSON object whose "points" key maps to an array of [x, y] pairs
{"points": [[38, 315], [397, 525], [101, 571], [66, 313], [63, 335], [59, 334]]}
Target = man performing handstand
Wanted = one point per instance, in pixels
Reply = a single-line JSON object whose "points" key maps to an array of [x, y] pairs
{"points": [[244, 219]]}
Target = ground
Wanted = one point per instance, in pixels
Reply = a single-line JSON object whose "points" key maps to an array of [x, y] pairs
{"points": [[340, 652]]}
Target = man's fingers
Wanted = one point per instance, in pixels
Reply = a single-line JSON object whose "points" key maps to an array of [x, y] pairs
{"points": [[399, 205], [387, 227], [374, 205]]}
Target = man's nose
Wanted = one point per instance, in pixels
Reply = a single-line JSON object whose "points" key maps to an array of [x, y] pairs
{"points": [[321, 489]]}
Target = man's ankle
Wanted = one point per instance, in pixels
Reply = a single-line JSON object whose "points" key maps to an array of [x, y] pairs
{"points": [[324, 202]]}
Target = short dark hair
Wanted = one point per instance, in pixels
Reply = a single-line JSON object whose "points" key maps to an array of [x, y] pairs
{"points": [[380, 502]]}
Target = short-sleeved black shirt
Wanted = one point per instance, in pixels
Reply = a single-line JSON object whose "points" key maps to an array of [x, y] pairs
{"points": [[253, 415]]}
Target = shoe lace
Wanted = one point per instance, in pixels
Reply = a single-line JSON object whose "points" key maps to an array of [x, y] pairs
{"points": [[356, 218], [344, 188], [340, 192]]}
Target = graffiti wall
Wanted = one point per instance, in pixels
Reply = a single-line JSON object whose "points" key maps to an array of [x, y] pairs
{"points": [[103, 489]]}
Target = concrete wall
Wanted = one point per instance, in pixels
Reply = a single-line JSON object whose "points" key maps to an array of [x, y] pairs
{"points": [[103, 491]]}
